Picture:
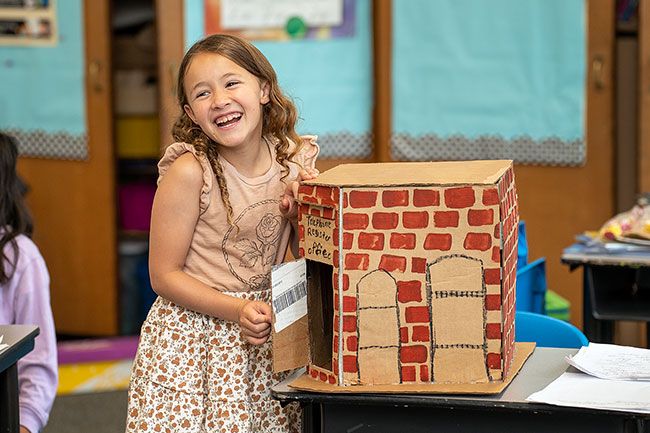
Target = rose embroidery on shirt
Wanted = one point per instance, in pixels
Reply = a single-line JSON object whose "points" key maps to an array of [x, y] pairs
{"points": [[263, 248]]}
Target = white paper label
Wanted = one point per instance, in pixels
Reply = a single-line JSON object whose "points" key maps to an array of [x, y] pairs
{"points": [[289, 293]]}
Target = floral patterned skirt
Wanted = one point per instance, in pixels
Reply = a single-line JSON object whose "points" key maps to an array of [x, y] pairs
{"points": [[195, 373]]}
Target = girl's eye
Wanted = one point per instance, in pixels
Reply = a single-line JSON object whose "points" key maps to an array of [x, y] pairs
{"points": [[200, 94], [231, 83]]}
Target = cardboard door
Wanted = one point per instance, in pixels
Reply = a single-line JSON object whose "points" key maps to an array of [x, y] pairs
{"points": [[378, 328], [458, 320]]}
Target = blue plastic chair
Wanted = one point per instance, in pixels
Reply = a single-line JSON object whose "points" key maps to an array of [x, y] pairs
{"points": [[531, 287], [547, 331], [522, 245]]}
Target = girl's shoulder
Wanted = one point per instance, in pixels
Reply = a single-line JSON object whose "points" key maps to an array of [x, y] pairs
{"points": [[181, 152], [27, 251], [191, 165]]}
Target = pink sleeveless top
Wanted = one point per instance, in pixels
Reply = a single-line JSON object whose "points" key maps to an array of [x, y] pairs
{"points": [[238, 258]]}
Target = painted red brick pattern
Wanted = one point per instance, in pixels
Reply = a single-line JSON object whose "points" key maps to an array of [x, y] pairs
{"points": [[352, 343], [418, 265], [387, 227], [490, 196], [391, 198], [402, 241], [404, 334], [371, 241], [355, 221], [480, 217], [458, 198], [443, 219], [477, 241], [348, 238], [408, 373], [409, 291], [417, 314], [349, 304], [420, 333], [415, 220], [426, 198], [413, 354], [438, 241], [385, 220], [350, 364], [362, 199], [392, 263], [349, 323], [424, 373]]}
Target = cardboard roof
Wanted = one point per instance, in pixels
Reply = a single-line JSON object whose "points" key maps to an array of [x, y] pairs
{"points": [[414, 173]]}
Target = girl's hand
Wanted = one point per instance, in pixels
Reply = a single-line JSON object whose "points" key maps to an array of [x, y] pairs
{"points": [[288, 207], [255, 319]]}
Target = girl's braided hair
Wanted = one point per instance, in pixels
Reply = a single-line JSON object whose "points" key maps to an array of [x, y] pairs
{"points": [[279, 115]]}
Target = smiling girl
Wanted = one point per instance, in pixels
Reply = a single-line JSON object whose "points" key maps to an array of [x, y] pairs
{"points": [[223, 214]]}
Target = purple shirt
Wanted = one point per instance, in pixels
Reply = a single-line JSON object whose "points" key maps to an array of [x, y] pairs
{"points": [[25, 299]]}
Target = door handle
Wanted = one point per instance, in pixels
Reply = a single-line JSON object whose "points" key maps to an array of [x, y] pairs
{"points": [[94, 75], [598, 72]]}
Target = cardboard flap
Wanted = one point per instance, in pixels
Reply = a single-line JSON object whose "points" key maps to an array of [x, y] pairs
{"points": [[290, 338], [291, 346], [413, 173]]}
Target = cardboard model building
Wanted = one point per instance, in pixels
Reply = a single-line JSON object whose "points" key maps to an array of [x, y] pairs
{"points": [[410, 273]]}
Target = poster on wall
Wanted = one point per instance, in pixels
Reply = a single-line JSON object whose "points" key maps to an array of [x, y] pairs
{"points": [[333, 98], [487, 80], [280, 19], [42, 86], [28, 22]]}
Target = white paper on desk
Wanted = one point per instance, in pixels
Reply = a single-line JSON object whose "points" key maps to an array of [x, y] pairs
{"points": [[2, 346], [610, 361], [582, 390], [289, 293]]}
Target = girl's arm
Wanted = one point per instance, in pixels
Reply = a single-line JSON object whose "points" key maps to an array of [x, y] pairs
{"points": [[173, 220], [289, 207], [37, 371]]}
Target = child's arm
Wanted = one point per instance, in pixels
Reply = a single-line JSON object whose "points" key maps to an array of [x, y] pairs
{"points": [[37, 371], [173, 220], [288, 206]]}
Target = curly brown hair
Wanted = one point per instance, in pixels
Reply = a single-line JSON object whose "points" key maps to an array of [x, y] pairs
{"points": [[279, 115]]}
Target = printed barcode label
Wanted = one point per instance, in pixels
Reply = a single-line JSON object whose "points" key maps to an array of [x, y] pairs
{"points": [[290, 297]]}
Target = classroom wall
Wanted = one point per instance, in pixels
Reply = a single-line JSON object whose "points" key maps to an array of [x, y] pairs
{"points": [[559, 198]]}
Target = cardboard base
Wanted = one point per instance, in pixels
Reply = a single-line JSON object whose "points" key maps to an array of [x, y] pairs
{"points": [[522, 352]]}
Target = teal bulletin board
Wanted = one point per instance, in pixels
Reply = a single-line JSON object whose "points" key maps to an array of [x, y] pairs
{"points": [[42, 96], [500, 79], [330, 79]]}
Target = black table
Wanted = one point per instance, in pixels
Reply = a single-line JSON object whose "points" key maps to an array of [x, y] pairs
{"points": [[20, 339], [505, 412], [616, 286]]}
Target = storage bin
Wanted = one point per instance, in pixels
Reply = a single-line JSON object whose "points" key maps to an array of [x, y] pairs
{"points": [[138, 137], [135, 201], [531, 287], [133, 255], [557, 306]]}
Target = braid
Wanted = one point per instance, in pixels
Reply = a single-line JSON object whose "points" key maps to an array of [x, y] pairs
{"points": [[212, 155]]}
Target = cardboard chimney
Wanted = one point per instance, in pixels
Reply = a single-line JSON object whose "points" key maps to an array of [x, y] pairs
{"points": [[410, 273]]}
